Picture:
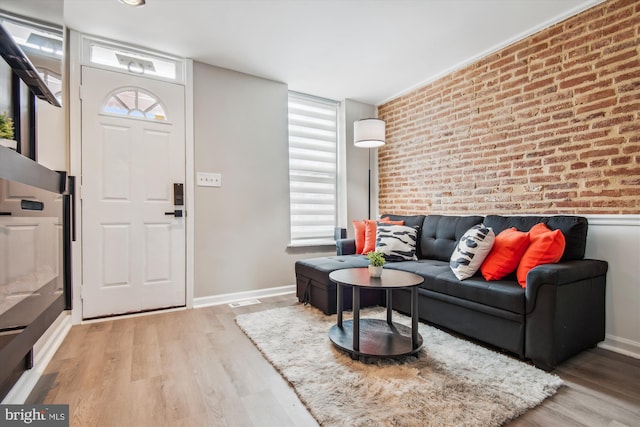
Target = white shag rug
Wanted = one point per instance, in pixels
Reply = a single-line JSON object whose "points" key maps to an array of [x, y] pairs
{"points": [[450, 382]]}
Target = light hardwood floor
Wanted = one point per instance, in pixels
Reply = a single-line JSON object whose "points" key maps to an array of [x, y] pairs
{"points": [[196, 368]]}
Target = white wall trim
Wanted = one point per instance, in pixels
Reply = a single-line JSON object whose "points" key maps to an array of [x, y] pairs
{"points": [[189, 183], [614, 238], [44, 350], [75, 168], [240, 296], [621, 345], [622, 220]]}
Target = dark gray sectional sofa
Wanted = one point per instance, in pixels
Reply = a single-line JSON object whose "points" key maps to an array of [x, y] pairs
{"points": [[559, 313]]}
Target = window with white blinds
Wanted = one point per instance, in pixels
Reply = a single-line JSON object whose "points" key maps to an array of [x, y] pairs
{"points": [[313, 135]]}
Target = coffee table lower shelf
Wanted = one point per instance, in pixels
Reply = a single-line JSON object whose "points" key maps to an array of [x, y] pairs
{"points": [[377, 338]]}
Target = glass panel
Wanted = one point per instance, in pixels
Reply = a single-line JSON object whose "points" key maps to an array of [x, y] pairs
{"points": [[115, 106], [128, 98], [134, 63], [156, 113], [135, 103], [145, 101]]}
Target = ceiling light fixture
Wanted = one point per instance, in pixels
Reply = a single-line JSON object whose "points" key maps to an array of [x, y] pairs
{"points": [[134, 3]]}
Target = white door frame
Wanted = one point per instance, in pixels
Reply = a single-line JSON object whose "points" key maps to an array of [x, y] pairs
{"points": [[75, 167]]}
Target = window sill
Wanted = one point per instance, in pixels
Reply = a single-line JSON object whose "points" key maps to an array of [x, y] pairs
{"points": [[327, 244]]}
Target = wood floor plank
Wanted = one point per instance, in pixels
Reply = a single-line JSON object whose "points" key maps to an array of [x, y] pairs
{"points": [[197, 368], [146, 362]]}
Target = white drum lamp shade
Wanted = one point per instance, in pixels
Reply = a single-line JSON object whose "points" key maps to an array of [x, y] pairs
{"points": [[134, 3], [368, 133]]}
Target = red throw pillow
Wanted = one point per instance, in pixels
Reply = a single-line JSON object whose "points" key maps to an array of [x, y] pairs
{"points": [[358, 230], [365, 233], [508, 248], [546, 247], [369, 236], [389, 221], [371, 231]]}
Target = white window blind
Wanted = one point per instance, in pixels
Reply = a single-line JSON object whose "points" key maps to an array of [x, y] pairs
{"points": [[313, 133]]}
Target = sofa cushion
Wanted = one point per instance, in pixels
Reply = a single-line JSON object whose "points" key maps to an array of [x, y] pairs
{"points": [[440, 234], [314, 286], [319, 268], [426, 268], [502, 294], [573, 228]]}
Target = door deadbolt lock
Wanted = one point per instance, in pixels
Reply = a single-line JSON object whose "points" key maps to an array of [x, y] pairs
{"points": [[178, 194]]}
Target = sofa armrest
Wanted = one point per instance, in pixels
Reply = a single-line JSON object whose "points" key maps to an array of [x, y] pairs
{"points": [[561, 274], [345, 246], [565, 310]]}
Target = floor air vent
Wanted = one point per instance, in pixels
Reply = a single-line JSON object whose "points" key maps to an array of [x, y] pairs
{"points": [[243, 303]]}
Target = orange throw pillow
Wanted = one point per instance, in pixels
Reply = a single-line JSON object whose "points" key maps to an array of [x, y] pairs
{"points": [[369, 236], [371, 231], [508, 248], [358, 230], [388, 221], [365, 233], [546, 247]]}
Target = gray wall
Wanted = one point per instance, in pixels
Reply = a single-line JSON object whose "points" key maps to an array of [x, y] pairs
{"points": [[357, 171], [242, 228]]}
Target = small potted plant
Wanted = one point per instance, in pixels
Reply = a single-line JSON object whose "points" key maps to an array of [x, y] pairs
{"points": [[376, 261], [6, 131]]}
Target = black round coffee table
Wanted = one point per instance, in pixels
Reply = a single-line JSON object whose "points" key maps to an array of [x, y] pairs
{"points": [[375, 337]]}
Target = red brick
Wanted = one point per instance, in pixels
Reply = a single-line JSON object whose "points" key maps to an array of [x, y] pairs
{"points": [[599, 153], [600, 84], [594, 96], [597, 183], [532, 50], [612, 121], [596, 106], [622, 57], [562, 115], [591, 77]]}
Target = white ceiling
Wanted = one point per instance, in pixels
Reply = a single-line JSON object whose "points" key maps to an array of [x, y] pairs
{"points": [[366, 50]]}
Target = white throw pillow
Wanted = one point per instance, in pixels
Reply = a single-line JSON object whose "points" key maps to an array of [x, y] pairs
{"points": [[396, 242], [471, 250]]}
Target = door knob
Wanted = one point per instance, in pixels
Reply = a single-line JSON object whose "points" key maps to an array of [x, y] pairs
{"points": [[177, 213]]}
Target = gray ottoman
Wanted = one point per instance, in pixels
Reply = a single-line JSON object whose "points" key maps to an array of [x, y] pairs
{"points": [[314, 287]]}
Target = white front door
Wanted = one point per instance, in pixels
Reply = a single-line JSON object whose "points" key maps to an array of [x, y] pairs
{"points": [[133, 151]]}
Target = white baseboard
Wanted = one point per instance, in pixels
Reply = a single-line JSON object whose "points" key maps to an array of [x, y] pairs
{"points": [[621, 345], [239, 296], [44, 350]]}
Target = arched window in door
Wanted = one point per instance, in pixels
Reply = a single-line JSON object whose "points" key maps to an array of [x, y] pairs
{"points": [[136, 103]]}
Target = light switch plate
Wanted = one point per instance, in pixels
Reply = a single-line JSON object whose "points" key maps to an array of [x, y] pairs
{"points": [[208, 179]]}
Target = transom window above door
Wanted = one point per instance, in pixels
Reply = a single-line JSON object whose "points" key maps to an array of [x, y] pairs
{"points": [[126, 59], [135, 102]]}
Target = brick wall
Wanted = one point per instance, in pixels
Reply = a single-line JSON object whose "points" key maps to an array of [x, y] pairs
{"points": [[549, 124]]}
